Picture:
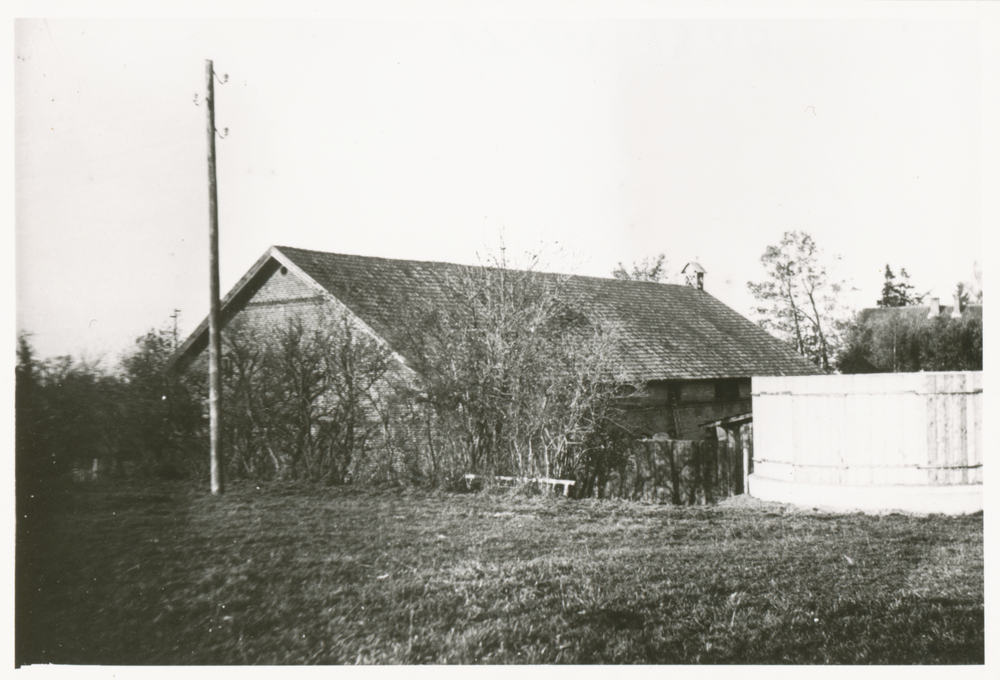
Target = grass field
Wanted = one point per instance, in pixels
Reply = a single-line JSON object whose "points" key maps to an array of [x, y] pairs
{"points": [[168, 575]]}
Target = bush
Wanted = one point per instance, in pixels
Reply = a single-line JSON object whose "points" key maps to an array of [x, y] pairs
{"points": [[71, 413], [517, 381], [508, 380], [301, 403], [902, 342], [68, 413], [165, 413]]}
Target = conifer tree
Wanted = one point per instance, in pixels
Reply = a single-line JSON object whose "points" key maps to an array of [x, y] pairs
{"points": [[898, 293]]}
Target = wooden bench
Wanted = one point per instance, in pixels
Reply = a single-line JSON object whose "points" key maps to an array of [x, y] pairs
{"points": [[553, 483]]}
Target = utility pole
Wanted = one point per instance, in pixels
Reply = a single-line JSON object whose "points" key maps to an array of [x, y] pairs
{"points": [[214, 334]]}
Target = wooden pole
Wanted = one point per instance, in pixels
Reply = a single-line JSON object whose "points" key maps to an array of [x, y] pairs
{"points": [[214, 335]]}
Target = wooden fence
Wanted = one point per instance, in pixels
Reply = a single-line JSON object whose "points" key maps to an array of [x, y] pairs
{"points": [[678, 472], [870, 430]]}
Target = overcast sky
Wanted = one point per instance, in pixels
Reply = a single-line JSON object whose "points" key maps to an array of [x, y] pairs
{"points": [[594, 140]]}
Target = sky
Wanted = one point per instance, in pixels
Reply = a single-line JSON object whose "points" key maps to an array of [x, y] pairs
{"points": [[592, 136]]}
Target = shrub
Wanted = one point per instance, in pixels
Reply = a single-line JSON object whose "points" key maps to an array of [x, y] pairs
{"points": [[900, 341], [518, 382], [301, 403]]}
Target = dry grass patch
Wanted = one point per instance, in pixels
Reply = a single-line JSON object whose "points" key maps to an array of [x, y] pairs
{"points": [[167, 575]]}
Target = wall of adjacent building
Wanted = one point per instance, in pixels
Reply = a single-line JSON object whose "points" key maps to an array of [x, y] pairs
{"points": [[680, 408]]}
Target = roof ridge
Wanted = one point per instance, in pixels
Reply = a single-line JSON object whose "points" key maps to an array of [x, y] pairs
{"points": [[481, 266]]}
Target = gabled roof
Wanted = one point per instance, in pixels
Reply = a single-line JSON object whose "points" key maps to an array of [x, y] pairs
{"points": [[670, 331]]}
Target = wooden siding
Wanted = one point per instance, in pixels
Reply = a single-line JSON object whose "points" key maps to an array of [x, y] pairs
{"points": [[876, 429], [677, 472], [681, 408]]}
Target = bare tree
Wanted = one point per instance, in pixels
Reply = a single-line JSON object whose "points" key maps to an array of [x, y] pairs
{"points": [[649, 269], [518, 379], [301, 399], [509, 378], [799, 298]]}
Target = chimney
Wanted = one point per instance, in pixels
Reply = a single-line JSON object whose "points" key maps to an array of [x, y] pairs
{"points": [[956, 313], [694, 275], [935, 307]]}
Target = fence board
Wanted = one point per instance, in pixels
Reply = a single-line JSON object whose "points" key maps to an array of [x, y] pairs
{"points": [[677, 471], [879, 429], [675, 477]]}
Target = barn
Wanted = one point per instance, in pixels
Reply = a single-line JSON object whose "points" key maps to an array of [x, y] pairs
{"points": [[690, 356]]}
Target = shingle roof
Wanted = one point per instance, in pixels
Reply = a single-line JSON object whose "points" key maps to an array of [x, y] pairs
{"points": [[670, 331]]}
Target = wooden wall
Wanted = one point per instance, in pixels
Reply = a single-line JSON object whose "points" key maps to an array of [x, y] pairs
{"points": [[680, 408], [875, 429], [678, 472]]}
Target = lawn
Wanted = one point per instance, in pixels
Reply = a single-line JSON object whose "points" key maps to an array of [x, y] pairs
{"points": [[170, 575]]}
